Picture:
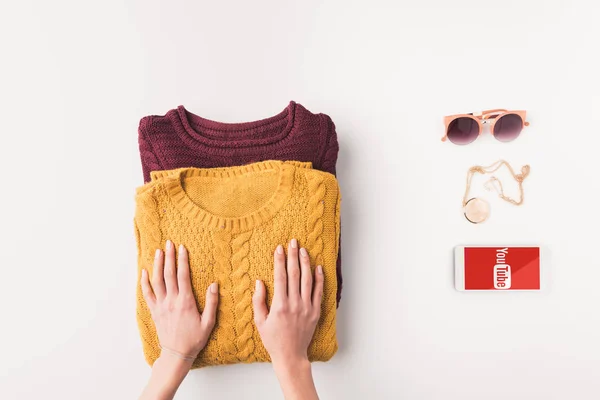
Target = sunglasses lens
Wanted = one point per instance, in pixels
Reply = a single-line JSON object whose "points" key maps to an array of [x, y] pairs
{"points": [[463, 130], [508, 127]]}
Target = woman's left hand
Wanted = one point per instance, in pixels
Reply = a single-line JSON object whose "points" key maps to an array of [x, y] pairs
{"points": [[180, 326], [182, 330]]}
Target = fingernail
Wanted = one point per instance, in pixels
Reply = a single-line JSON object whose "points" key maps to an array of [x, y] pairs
{"points": [[214, 287], [320, 270], [181, 248], [157, 253], [294, 243], [169, 245], [144, 273], [257, 285], [280, 249], [303, 252]]}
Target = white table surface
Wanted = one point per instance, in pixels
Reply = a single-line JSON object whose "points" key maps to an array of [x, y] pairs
{"points": [[76, 77]]}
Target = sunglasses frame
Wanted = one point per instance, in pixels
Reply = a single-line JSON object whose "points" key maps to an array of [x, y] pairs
{"points": [[487, 117]]}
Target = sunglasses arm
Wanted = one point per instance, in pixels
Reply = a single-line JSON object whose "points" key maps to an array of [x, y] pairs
{"points": [[494, 111], [489, 114]]}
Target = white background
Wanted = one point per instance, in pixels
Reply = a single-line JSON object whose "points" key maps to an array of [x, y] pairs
{"points": [[76, 77]]}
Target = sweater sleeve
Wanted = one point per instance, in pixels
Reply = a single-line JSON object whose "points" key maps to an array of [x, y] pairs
{"points": [[148, 233], [338, 232], [330, 152], [148, 156]]}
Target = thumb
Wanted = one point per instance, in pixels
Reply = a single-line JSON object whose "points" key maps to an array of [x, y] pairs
{"points": [[258, 301], [209, 314]]}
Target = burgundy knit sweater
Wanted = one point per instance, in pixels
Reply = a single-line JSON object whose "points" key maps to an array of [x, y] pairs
{"points": [[180, 139]]}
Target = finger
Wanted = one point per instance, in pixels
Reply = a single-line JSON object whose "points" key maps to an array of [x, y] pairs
{"points": [[209, 315], [170, 278], [305, 277], [293, 271], [280, 276], [258, 303], [147, 290], [158, 280], [183, 271], [318, 290]]}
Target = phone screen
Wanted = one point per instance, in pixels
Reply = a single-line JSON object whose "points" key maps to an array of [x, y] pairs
{"points": [[497, 268]]}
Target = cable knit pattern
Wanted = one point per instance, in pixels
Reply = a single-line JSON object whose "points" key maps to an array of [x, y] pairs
{"points": [[315, 209], [315, 246], [231, 220], [226, 316], [244, 327], [180, 139]]}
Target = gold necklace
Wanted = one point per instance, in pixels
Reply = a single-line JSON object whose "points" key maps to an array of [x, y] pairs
{"points": [[477, 210]]}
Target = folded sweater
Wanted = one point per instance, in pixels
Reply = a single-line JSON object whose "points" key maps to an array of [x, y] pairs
{"points": [[231, 220], [180, 139]]}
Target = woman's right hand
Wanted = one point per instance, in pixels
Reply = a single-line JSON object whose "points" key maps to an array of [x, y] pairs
{"points": [[287, 329]]}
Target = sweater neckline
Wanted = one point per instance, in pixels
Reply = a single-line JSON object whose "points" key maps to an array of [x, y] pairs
{"points": [[174, 187], [233, 134]]}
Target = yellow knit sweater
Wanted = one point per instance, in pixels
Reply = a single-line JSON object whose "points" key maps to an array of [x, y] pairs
{"points": [[231, 220]]}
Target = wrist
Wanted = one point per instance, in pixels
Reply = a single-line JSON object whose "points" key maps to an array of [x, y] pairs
{"points": [[292, 368], [168, 372], [295, 378], [176, 365]]}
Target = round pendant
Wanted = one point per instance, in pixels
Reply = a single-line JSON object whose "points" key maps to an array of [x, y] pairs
{"points": [[476, 210]]}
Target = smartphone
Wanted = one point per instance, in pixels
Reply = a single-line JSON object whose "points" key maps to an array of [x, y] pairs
{"points": [[497, 268]]}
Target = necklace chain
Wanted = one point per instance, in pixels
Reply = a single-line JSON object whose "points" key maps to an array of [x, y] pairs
{"points": [[490, 170]]}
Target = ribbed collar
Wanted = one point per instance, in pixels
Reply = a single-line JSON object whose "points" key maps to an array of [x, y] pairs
{"points": [[231, 135], [172, 181]]}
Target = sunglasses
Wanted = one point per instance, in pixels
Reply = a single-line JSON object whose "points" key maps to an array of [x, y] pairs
{"points": [[505, 125]]}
